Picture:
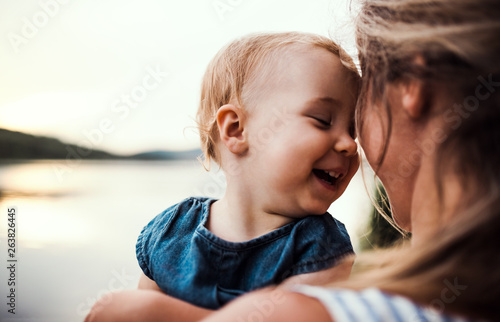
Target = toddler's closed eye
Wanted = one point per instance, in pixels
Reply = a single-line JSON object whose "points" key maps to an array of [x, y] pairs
{"points": [[322, 121]]}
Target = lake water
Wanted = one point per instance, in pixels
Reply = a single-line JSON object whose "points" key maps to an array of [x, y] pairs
{"points": [[77, 224]]}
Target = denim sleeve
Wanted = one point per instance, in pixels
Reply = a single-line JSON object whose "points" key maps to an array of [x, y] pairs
{"points": [[150, 236], [324, 241]]}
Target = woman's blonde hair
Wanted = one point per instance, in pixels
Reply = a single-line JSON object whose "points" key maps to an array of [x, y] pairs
{"points": [[230, 73], [458, 271]]}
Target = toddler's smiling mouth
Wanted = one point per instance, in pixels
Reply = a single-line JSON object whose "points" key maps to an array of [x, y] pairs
{"points": [[329, 177]]}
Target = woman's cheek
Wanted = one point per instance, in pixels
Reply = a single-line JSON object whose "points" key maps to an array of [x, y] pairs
{"points": [[353, 168], [371, 140], [354, 165]]}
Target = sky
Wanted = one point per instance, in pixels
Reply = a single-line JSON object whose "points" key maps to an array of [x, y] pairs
{"points": [[124, 75]]}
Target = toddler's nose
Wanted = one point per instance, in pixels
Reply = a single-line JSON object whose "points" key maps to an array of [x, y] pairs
{"points": [[346, 145]]}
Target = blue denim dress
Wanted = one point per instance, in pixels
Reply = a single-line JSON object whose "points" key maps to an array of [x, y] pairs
{"points": [[190, 263]]}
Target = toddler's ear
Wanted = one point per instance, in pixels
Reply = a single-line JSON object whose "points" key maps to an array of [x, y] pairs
{"points": [[230, 122]]}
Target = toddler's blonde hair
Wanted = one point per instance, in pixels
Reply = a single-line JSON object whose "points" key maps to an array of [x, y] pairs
{"points": [[235, 67]]}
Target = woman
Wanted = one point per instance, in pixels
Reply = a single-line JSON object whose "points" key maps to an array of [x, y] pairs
{"points": [[428, 121]]}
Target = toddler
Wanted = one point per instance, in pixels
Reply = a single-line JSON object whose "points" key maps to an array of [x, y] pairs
{"points": [[277, 115]]}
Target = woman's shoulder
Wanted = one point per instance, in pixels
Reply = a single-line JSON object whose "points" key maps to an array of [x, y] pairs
{"points": [[371, 305]]}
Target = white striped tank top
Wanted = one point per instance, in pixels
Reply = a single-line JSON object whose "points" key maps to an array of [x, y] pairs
{"points": [[372, 305]]}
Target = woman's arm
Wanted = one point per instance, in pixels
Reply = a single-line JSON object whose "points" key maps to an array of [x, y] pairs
{"points": [[149, 303], [144, 305], [276, 305]]}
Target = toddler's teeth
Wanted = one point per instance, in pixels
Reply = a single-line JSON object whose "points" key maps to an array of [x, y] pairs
{"points": [[333, 174]]}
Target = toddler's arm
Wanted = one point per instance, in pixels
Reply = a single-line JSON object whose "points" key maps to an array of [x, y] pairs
{"points": [[145, 283], [144, 305]]}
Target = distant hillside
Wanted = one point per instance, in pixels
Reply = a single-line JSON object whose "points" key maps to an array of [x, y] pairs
{"points": [[167, 155], [17, 145]]}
